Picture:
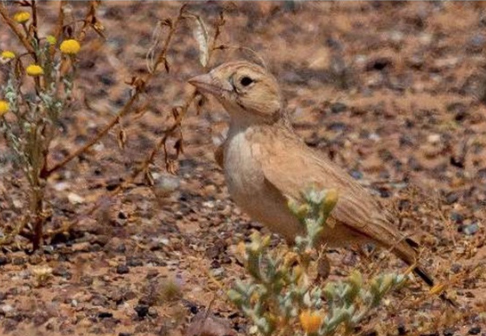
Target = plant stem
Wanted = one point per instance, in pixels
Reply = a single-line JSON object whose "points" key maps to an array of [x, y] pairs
{"points": [[125, 109], [34, 21], [13, 25], [37, 207]]}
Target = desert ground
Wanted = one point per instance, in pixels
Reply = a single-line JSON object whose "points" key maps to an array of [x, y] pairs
{"points": [[393, 92]]}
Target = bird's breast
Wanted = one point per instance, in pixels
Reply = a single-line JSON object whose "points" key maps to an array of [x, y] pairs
{"points": [[249, 190], [242, 172]]}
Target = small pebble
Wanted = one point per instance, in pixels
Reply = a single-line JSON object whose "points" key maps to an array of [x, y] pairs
{"points": [[18, 261], [482, 173], [24, 274], [338, 107], [122, 269], [35, 259], [416, 61], [476, 43], [449, 332], [434, 138], [152, 312], [142, 310], [470, 229], [337, 126], [86, 280], [456, 268], [474, 331], [48, 249], [102, 315], [215, 264], [165, 185], [356, 174], [193, 309], [134, 262], [452, 198], [378, 64], [121, 248], [152, 273], [218, 273], [61, 271], [456, 217], [6, 308]]}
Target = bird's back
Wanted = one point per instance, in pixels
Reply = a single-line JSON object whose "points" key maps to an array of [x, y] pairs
{"points": [[292, 167]]}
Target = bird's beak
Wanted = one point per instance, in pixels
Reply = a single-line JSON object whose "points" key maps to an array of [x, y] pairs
{"points": [[208, 84]]}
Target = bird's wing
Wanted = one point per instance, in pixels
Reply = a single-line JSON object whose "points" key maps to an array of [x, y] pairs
{"points": [[292, 167]]}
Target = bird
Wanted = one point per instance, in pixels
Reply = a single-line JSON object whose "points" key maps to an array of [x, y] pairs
{"points": [[266, 164]]}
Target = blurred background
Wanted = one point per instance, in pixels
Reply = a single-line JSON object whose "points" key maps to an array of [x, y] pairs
{"points": [[393, 92]]}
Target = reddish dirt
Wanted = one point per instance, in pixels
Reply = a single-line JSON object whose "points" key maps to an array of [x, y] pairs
{"points": [[394, 93]]}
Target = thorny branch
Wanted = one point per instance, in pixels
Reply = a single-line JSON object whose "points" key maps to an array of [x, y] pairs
{"points": [[17, 31], [138, 83], [93, 141], [180, 114], [60, 20], [29, 38], [161, 144]]}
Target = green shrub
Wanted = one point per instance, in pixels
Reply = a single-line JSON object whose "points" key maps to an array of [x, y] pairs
{"points": [[280, 295]]}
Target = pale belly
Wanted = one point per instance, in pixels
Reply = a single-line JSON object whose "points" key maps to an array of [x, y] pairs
{"points": [[248, 188]]}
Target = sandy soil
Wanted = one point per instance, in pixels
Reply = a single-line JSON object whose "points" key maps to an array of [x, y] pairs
{"points": [[394, 93]]}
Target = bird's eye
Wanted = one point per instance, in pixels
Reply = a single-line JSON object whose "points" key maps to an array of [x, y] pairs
{"points": [[245, 81]]}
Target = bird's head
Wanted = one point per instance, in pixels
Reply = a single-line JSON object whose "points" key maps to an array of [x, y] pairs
{"points": [[246, 90]]}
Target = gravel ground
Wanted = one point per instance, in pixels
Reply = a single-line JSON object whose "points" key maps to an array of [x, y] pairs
{"points": [[394, 93]]}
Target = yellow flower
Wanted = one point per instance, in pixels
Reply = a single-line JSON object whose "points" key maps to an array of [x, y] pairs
{"points": [[34, 70], [3, 107], [7, 54], [51, 39], [70, 46], [22, 17], [310, 321]]}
